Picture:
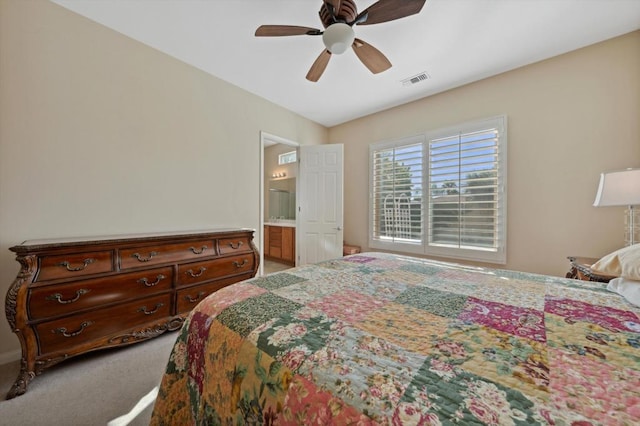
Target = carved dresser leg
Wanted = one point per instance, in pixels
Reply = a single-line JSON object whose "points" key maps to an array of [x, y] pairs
{"points": [[21, 383]]}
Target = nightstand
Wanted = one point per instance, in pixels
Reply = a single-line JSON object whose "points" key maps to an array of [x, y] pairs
{"points": [[581, 270]]}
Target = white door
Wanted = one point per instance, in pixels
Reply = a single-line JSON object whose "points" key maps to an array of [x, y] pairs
{"points": [[320, 216]]}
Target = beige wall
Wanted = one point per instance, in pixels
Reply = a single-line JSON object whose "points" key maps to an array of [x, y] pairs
{"points": [[569, 118], [100, 134]]}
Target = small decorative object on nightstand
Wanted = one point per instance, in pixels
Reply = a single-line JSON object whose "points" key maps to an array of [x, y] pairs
{"points": [[348, 249], [581, 270]]}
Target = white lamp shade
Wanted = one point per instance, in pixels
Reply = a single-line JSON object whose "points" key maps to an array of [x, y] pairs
{"points": [[338, 38], [619, 188]]}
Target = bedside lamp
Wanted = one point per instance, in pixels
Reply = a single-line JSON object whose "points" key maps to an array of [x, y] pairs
{"points": [[621, 188]]}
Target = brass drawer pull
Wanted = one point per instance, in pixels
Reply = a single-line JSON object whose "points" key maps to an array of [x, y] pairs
{"points": [[146, 282], [237, 246], [144, 259], [63, 330], [240, 265], [69, 268], [196, 274], [58, 296], [196, 251], [198, 297], [144, 309]]}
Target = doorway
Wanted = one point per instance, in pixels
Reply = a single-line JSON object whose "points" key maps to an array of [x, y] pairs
{"points": [[278, 203]]}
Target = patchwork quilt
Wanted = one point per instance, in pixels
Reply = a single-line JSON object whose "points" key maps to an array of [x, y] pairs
{"points": [[383, 339]]}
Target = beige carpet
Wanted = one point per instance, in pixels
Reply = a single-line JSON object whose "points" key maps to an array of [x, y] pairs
{"points": [[88, 390], [270, 267]]}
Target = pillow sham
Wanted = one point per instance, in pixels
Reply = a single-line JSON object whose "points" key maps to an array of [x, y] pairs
{"points": [[629, 289], [623, 263]]}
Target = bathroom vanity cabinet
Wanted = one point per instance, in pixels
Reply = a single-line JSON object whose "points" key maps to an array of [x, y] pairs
{"points": [[280, 243]]}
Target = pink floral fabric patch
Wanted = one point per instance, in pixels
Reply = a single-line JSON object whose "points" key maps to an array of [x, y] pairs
{"points": [[515, 320]]}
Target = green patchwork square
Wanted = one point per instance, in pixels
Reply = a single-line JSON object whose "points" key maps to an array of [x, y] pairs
{"points": [[289, 332], [420, 268], [437, 302], [248, 314], [275, 281], [448, 395]]}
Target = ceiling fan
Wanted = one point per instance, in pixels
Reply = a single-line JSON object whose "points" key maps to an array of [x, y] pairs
{"points": [[338, 18]]}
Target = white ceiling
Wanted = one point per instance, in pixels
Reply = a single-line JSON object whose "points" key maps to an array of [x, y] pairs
{"points": [[454, 41]]}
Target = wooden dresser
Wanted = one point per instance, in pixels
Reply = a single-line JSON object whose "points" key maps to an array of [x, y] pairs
{"points": [[76, 296]]}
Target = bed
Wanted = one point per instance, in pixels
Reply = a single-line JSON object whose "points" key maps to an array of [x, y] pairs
{"points": [[377, 338]]}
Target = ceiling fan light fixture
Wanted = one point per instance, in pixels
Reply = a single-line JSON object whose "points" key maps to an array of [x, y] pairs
{"points": [[338, 38]]}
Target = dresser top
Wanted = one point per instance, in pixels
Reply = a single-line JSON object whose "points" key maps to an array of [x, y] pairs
{"points": [[61, 242]]}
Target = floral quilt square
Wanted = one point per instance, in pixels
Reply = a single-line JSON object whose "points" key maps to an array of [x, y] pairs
{"points": [[327, 285], [293, 337], [362, 370], [588, 390], [593, 341], [310, 272], [260, 385], [463, 399], [348, 306], [406, 326], [305, 403], [385, 285], [220, 363], [609, 318], [226, 296], [515, 320], [497, 356]]}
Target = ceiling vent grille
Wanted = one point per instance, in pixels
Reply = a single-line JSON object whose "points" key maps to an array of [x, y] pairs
{"points": [[418, 78]]}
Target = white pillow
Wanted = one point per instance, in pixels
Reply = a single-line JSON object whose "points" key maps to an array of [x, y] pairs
{"points": [[623, 263], [629, 289]]}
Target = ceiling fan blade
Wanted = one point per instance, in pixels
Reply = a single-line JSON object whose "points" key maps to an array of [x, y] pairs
{"points": [[318, 67], [388, 10], [371, 57], [335, 4], [285, 30]]}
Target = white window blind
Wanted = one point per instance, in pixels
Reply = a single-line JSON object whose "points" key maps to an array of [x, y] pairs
{"points": [[464, 198], [443, 195], [397, 192]]}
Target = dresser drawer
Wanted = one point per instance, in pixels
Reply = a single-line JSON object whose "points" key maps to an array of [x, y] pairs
{"points": [[143, 256], [234, 245], [188, 298], [51, 301], [62, 334], [74, 265], [193, 273]]}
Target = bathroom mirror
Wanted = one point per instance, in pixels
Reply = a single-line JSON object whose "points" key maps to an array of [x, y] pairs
{"points": [[282, 199]]}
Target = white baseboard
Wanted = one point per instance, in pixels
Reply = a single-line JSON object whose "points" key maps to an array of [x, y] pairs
{"points": [[7, 357]]}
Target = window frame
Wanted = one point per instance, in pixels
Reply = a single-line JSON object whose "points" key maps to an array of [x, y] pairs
{"points": [[497, 256], [290, 155], [407, 247]]}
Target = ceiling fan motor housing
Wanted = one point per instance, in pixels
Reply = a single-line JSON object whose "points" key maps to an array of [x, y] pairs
{"points": [[346, 12]]}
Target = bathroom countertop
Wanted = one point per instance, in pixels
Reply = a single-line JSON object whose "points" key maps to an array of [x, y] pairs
{"points": [[288, 223]]}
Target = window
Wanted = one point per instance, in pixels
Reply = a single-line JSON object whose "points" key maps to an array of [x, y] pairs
{"points": [[442, 193], [397, 198], [287, 157]]}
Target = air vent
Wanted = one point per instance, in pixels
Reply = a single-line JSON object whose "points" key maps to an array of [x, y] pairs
{"points": [[418, 78]]}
